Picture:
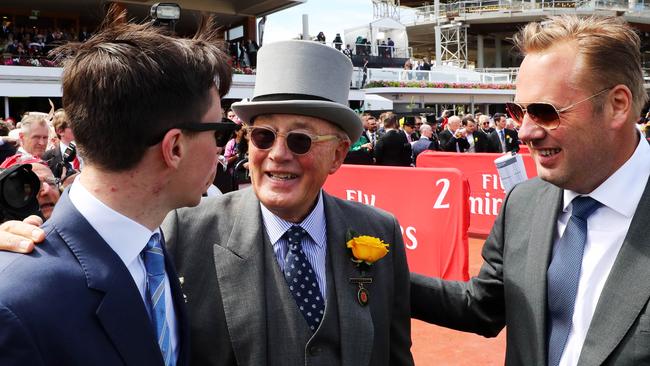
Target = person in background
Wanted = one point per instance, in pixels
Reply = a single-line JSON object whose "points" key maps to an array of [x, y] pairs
{"points": [[48, 193], [34, 133]]}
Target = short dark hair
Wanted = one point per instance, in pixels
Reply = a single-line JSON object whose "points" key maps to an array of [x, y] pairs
{"points": [[131, 82]]}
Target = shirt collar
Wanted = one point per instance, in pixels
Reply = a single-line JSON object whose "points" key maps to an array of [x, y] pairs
{"points": [[126, 237], [314, 223], [616, 192]]}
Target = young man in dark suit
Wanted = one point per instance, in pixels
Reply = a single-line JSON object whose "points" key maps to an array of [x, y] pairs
{"points": [[393, 148], [477, 139], [502, 139], [103, 271]]}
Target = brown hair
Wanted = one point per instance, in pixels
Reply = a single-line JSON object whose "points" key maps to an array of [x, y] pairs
{"points": [[129, 83], [59, 121], [608, 48]]}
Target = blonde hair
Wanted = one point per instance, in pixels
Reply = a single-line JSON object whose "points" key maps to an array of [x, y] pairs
{"points": [[608, 48]]}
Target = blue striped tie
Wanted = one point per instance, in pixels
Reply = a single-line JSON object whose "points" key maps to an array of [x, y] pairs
{"points": [[154, 262], [563, 276]]}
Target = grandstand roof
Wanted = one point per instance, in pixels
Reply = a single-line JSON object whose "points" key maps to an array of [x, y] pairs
{"points": [[256, 8]]}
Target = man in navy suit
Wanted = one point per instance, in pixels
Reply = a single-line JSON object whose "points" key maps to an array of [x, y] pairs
{"points": [[101, 290]]}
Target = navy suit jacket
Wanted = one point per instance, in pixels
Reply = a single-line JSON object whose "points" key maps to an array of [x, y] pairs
{"points": [[73, 302]]}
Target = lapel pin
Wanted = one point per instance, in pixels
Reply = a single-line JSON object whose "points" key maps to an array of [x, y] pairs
{"points": [[362, 293]]}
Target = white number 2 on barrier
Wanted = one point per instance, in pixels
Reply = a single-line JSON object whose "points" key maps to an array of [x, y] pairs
{"points": [[443, 193]]}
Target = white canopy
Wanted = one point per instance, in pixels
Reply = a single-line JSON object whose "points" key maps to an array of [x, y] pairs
{"points": [[381, 30], [374, 102]]}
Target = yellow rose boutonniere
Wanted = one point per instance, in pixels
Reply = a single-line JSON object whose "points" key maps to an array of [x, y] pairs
{"points": [[508, 138], [475, 139], [366, 249]]}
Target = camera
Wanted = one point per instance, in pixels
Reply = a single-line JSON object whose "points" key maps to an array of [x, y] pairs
{"points": [[68, 156], [19, 187]]}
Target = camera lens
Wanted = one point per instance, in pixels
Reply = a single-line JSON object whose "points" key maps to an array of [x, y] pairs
{"points": [[17, 190]]}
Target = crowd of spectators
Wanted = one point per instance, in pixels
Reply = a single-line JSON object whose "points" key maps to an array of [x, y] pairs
{"points": [[25, 46], [397, 141]]}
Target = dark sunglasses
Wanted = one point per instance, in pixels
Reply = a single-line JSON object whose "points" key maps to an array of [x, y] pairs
{"points": [[298, 142], [543, 114], [222, 131]]}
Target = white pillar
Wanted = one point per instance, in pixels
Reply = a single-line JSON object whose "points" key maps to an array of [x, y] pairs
{"points": [[497, 51], [305, 27], [438, 45], [6, 107], [480, 63]]}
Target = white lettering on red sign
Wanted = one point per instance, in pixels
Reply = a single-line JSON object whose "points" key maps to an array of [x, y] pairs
{"points": [[412, 241], [359, 196], [442, 195]]}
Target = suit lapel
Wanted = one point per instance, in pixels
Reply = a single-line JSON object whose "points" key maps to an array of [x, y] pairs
{"points": [[121, 312], [355, 321], [626, 290], [540, 246], [240, 269]]}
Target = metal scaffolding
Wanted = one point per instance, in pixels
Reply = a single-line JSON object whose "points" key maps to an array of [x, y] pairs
{"points": [[451, 44], [385, 9]]}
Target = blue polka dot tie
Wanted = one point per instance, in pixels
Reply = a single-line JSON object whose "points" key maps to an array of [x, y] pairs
{"points": [[301, 279], [154, 262], [563, 276]]}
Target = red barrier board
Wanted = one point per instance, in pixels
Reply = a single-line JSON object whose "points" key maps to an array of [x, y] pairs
{"points": [[431, 206], [487, 192]]}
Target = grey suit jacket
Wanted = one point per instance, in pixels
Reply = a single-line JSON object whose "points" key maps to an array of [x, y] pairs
{"points": [[217, 247], [510, 289]]}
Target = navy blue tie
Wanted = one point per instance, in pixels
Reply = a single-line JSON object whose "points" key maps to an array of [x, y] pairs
{"points": [[154, 262], [301, 279], [563, 276]]}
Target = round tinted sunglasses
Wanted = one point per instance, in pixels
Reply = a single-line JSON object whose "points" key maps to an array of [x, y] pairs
{"points": [[543, 114], [298, 143]]}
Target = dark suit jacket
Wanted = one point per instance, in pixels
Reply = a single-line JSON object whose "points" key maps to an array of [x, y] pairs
{"points": [[512, 141], [510, 289], [218, 247], [448, 142], [393, 149], [73, 302], [481, 142], [6, 150]]}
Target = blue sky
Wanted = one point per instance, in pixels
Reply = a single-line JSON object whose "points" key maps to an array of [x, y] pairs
{"points": [[328, 16]]}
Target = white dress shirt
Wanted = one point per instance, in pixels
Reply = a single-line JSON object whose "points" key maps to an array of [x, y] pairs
{"points": [[606, 229], [314, 245], [127, 238], [470, 139]]}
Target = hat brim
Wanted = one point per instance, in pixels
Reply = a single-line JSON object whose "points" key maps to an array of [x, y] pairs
{"points": [[338, 114]]}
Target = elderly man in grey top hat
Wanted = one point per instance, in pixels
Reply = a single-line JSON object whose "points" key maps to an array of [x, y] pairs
{"points": [[283, 273], [290, 275]]}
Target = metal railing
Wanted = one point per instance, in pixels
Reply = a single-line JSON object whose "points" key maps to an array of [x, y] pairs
{"points": [[439, 74], [366, 49], [427, 14], [444, 74]]}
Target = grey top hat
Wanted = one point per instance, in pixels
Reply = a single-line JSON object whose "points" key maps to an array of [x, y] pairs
{"points": [[305, 78]]}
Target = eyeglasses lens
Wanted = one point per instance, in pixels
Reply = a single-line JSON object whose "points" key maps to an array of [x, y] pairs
{"points": [[222, 138], [543, 114], [262, 138], [298, 143]]}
